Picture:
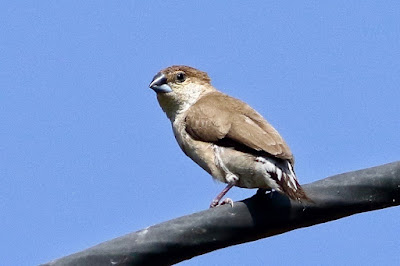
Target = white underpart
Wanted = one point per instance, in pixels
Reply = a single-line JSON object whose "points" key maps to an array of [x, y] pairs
{"points": [[292, 176], [279, 173], [269, 167], [272, 168], [229, 176]]}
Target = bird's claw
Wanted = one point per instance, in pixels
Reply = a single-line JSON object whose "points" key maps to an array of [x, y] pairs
{"points": [[216, 203]]}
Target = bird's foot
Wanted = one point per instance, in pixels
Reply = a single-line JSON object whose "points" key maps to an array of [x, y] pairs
{"points": [[218, 198], [216, 202]]}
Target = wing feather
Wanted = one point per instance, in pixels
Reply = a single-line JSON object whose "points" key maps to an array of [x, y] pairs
{"points": [[217, 116]]}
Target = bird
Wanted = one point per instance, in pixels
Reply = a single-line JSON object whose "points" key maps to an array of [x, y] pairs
{"points": [[224, 135]]}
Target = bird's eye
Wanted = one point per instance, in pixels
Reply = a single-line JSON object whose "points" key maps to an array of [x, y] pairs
{"points": [[180, 77]]}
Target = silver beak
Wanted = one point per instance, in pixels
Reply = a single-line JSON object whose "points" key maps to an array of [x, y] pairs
{"points": [[159, 84]]}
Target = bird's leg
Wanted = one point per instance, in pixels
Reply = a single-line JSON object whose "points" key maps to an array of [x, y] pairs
{"points": [[230, 178], [216, 201]]}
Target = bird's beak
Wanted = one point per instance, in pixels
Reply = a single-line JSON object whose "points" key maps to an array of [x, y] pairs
{"points": [[159, 84]]}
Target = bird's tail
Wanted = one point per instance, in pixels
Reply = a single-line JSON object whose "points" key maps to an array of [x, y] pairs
{"points": [[291, 187], [284, 175]]}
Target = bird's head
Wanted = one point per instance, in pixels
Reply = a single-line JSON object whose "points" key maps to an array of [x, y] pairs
{"points": [[179, 87]]}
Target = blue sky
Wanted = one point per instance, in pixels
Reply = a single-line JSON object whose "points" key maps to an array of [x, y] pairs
{"points": [[87, 155]]}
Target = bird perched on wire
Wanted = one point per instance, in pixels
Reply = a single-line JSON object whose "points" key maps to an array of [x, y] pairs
{"points": [[224, 135]]}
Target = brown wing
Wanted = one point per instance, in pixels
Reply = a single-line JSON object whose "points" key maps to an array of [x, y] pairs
{"points": [[217, 116]]}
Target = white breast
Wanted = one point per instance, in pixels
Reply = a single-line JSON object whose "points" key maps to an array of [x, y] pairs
{"points": [[199, 151]]}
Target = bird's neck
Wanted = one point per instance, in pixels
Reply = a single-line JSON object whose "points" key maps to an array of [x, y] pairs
{"points": [[169, 106], [174, 104]]}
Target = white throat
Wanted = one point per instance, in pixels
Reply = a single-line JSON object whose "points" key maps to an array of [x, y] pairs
{"points": [[183, 100], [191, 96]]}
